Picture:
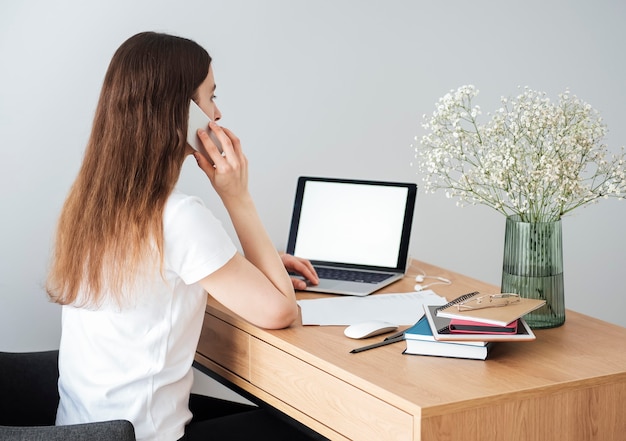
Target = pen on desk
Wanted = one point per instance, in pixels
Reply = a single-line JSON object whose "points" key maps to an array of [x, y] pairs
{"points": [[396, 335], [379, 344]]}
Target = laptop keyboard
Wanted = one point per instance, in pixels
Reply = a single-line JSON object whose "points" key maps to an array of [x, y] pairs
{"points": [[351, 275]]}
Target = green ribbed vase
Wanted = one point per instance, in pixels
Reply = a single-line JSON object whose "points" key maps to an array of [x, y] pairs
{"points": [[533, 268]]}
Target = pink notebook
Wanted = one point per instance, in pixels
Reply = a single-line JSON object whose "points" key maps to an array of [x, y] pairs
{"points": [[458, 326]]}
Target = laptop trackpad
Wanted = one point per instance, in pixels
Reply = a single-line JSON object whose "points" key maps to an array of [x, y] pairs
{"points": [[340, 287]]}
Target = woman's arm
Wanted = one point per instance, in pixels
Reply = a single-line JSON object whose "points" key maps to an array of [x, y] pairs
{"points": [[257, 286]]}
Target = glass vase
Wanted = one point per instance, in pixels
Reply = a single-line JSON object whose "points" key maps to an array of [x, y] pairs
{"points": [[533, 268]]}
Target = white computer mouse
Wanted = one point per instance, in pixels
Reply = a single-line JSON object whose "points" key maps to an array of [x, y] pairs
{"points": [[369, 328]]}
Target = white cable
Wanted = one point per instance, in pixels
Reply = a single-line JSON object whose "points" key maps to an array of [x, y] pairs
{"points": [[421, 277]]}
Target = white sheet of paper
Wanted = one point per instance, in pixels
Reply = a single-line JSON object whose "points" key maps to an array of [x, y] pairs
{"points": [[398, 308]]}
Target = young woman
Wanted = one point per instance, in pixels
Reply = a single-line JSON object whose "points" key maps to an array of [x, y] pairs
{"points": [[134, 258]]}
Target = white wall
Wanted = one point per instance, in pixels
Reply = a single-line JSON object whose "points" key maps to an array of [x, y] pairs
{"points": [[333, 88]]}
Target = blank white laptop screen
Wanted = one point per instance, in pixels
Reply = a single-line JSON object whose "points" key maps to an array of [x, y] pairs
{"points": [[351, 223], [356, 233]]}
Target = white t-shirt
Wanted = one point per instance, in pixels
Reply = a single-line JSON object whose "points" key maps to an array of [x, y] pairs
{"points": [[134, 363]]}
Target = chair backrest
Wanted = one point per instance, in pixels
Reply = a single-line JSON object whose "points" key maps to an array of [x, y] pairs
{"points": [[29, 397], [29, 393], [117, 430]]}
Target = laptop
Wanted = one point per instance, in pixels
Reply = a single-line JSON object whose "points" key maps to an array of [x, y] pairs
{"points": [[355, 232]]}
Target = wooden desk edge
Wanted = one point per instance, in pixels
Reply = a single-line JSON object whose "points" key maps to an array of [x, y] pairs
{"points": [[229, 378]]}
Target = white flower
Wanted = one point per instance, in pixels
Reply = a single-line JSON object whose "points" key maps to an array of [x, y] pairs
{"points": [[534, 158]]}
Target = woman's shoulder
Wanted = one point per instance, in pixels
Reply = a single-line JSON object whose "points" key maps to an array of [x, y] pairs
{"points": [[179, 203], [179, 198], [196, 243], [186, 210]]}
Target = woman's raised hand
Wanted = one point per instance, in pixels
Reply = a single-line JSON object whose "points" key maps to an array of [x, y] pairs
{"points": [[228, 170]]}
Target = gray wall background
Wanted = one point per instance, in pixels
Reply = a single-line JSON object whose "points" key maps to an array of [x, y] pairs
{"points": [[332, 88]]}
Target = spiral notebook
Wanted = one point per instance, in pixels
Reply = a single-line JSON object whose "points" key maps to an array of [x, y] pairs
{"points": [[440, 327], [501, 315]]}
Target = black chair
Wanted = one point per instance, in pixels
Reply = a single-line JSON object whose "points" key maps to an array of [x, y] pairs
{"points": [[29, 398]]}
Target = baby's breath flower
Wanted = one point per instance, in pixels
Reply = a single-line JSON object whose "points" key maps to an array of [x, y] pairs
{"points": [[534, 158]]}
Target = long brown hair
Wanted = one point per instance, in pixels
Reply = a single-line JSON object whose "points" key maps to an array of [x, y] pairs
{"points": [[111, 222]]}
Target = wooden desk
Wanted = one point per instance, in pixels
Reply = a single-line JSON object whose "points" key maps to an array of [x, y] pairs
{"points": [[569, 384]]}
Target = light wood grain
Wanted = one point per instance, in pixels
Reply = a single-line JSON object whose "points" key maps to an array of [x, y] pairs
{"points": [[268, 398], [349, 410], [570, 381], [226, 345], [575, 415]]}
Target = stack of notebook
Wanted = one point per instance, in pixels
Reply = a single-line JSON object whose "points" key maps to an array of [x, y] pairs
{"points": [[468, 328]]}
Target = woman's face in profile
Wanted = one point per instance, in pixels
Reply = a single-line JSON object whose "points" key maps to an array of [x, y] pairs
{"points": [[206, 97]]}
